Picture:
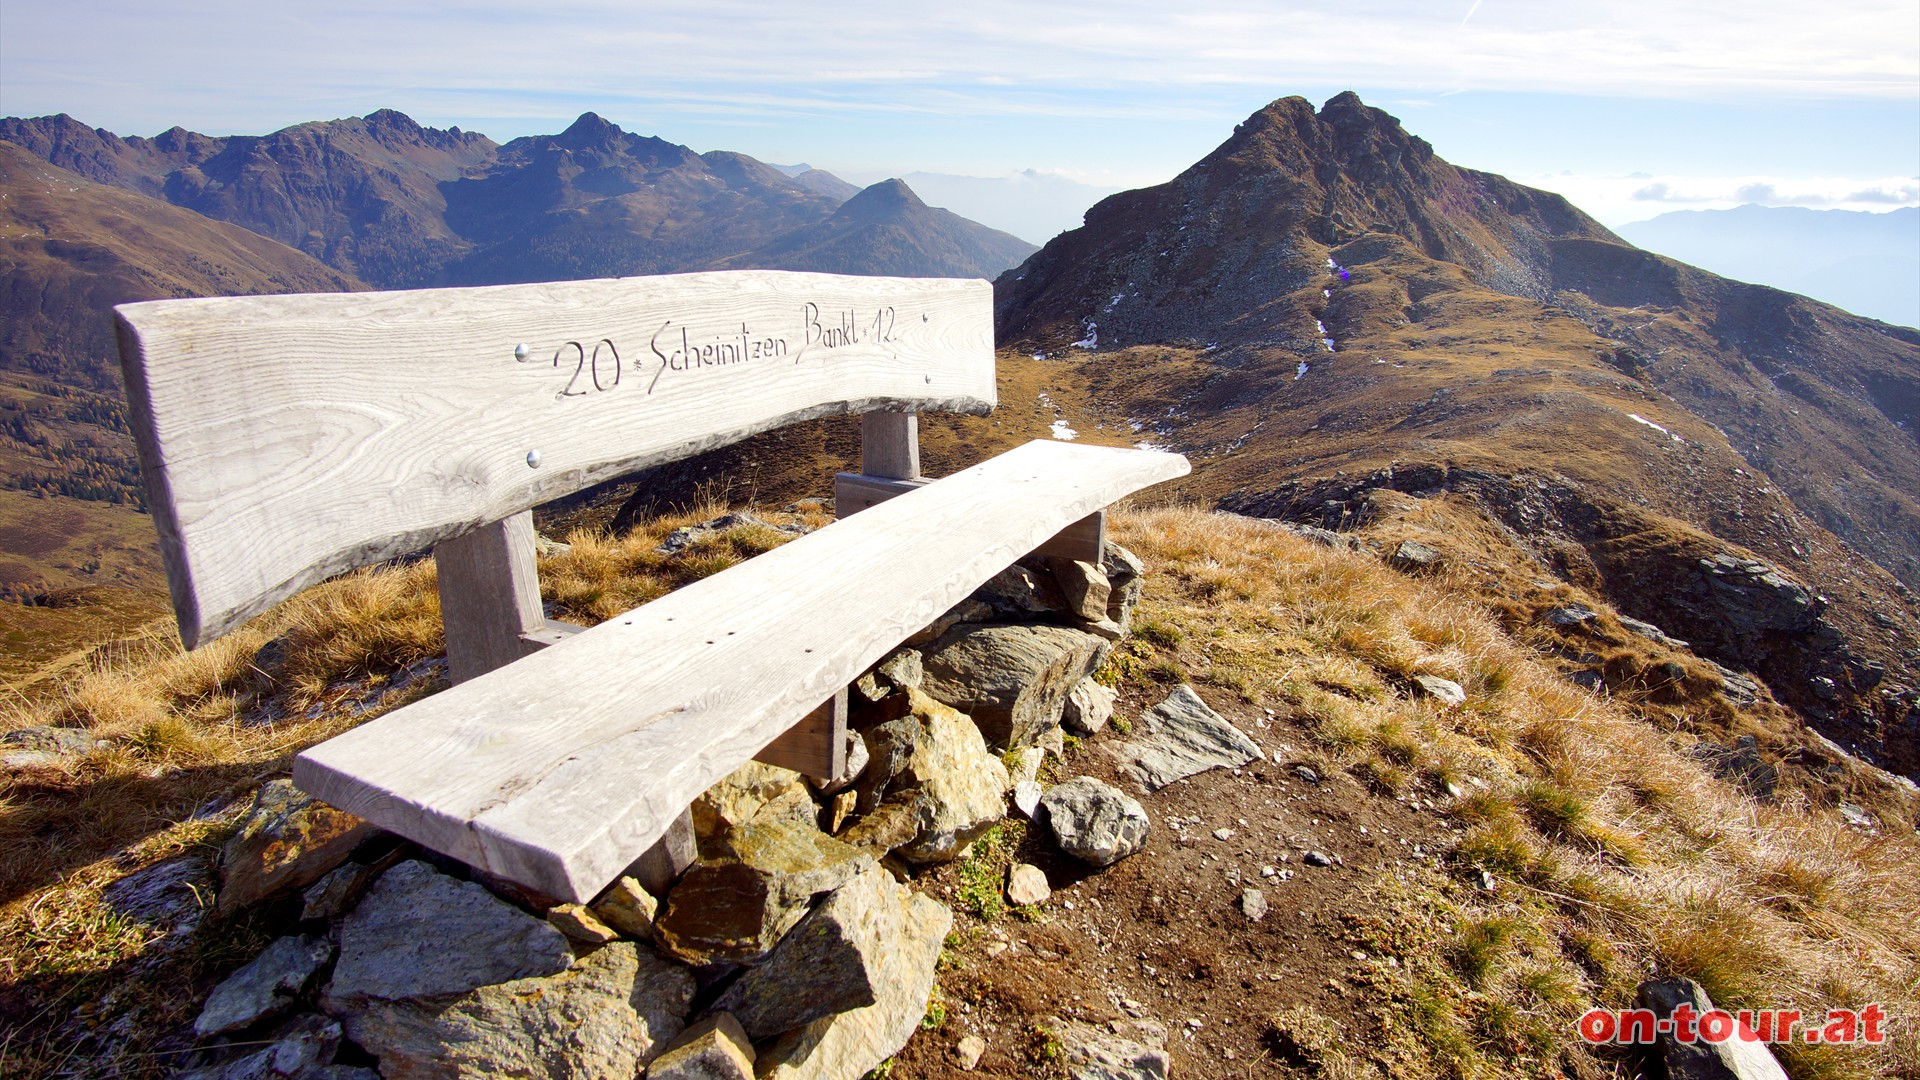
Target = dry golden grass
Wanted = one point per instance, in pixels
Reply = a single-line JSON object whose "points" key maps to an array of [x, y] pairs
{"points": [[191, 734], [1614, 852]]}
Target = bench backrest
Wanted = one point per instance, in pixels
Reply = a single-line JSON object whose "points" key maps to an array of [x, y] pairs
{"points": [[285, 439]]}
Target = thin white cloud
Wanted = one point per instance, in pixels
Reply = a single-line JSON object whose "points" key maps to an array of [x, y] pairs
{"points": [[1619, 200]]}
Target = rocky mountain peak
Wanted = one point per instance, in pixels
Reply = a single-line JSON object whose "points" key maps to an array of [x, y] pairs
{"points": [[886, 199], [591, 132]]}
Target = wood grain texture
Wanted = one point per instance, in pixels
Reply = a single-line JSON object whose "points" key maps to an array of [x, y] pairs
{"points": [[288, 438], [816, 746], [557, 770], [489, 595], [890, 445], [1082, 540]]}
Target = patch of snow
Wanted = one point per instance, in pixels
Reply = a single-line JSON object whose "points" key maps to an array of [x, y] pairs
{"points": [[1064, 433], [1211, 345], [1149, 446], [1328, 342], [1325, 294], [1302, 373], [1039, 356], [1092, 340], [1320, 326], [1638, 419], [1117, 297]]}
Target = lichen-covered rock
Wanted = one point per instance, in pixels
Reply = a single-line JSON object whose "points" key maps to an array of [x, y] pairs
{"points": [[606, 1017], [1084, 588], [419, 933], [42, 745], [1124, 572], [1181, 737], [848, 1044], [627, 907], [268, 985], [1094, 821], [831, 961], [739, 796], [1012, 679], [1089, 707], [736, 905], [716, 1048], [288, 840], [931, 785]]}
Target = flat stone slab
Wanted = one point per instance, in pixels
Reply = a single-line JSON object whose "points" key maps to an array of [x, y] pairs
{"points": [[268, 985], [1181, 737], [419, 933]]}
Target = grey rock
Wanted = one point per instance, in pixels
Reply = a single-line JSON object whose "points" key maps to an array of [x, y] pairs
{"points": [[1856, 816], [1445, 691], [903, 669], [1734, 1059], [736, 905], [1253, 903], [1022, 593], [1083, 587], [716, 1048], [832, 961], [335, 894], [1307, 773], [1124, 572], [685, 537], [1741, 765], [43, 745], [419, 933], [1571, 615], [1094, 821], [944, 786], [1119, 1050], [301, 1050], [1089, 707], [1012, 679], [1317, 858], [1026, 885], [1651, 632], [1026, 798], [849, 1044], [606, 1017], [857, 758], [966, 611], [1740, 689], [1024, 764], [268, 985], [1753, 597], [1181, 737], [1413, 555], [164, 896], [287, 840], [968, 1051]]}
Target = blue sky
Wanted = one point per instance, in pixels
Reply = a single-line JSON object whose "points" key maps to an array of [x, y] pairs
{"points": [[1632, 107]]}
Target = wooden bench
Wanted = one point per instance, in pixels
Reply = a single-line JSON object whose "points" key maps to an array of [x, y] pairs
{"points": [[288, 438]]}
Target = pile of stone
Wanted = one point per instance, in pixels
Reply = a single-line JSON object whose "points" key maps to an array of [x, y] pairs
{"points": [[776, 937]]}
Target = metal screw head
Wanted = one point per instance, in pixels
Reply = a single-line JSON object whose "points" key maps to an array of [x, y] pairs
{"points": [[533, 459], [520, 351]]}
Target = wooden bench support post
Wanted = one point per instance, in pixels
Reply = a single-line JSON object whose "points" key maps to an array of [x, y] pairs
{"points": [[817, 745], [489, 595], [890, 445], [490, 598], [676, 849]]}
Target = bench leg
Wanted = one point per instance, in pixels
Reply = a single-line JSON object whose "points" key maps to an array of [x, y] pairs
{"points": [[490, 598], [657, 868], [817, 745]]}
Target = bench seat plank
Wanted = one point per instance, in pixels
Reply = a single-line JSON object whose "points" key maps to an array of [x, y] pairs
{"points": [[558, 770]]}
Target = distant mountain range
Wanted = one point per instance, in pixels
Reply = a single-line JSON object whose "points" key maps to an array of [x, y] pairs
{"points": [[1866, 263], [399, 206]]}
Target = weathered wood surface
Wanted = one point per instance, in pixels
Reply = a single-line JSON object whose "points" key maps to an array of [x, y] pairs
{"points": [[817, 745], [489, 596], [558, 770], [288, 438], [1083, 540]]}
